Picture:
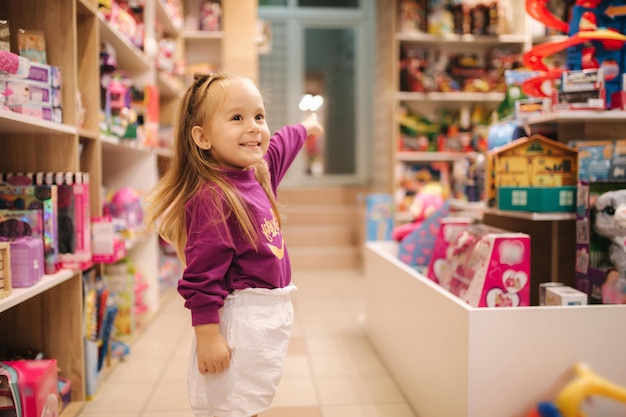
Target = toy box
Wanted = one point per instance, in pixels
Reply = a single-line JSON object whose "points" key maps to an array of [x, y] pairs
{"points": [[5, 270], [73, 214], [51, 114], [565, 296], [416, 248], [489, 267], [537, 199], [449, 230], [33, 387], [27, 261], [38, 197], [24, 92], [581, 90], [379, 222], [600, 255], [532, 173], [600, 268], [106, 246]]}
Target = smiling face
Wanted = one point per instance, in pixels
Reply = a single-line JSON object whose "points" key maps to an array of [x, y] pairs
{"points": [[236, 133]]}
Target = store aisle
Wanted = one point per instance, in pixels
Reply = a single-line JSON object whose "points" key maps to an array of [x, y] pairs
{"points": [[331, 369]]}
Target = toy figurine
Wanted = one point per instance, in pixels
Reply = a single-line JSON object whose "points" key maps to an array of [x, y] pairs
{"points": [[610, 222], [571, 397]]}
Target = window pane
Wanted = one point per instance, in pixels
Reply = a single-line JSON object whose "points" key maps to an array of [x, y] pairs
{"points": [[330, 73], [329, 3], [272, 2]]}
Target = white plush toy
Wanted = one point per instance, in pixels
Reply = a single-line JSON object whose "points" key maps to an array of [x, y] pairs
{"points": [[610, 222]]}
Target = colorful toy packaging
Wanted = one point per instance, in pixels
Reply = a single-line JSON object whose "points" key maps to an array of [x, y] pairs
{"points": [[600, 221], [32, 387], [451, 228], [37, 197], [379, 222], [488, 267], [416, 248]]}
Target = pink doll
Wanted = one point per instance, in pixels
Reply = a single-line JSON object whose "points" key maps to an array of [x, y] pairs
{"points": [[425, 203]]}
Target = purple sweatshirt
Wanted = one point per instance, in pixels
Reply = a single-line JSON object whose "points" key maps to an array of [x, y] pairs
{"points": [[216, 266]]}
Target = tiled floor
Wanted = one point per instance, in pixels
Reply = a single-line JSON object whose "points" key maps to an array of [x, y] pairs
{"points": [[331, 370]]}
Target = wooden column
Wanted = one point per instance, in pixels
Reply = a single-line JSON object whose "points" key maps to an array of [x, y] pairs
{"points": [[239, 49]]}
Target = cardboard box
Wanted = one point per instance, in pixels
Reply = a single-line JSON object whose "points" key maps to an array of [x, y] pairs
{"points": [[565, 296]]}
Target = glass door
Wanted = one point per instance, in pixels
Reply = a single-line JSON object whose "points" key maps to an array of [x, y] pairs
{"points": [[315, 59]]}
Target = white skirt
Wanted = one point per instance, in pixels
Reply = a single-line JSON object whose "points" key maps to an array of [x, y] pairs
{"points": [[256, 323]]}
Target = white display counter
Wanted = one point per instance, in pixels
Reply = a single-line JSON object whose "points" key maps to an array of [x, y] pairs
{"points": [[453, 360]]}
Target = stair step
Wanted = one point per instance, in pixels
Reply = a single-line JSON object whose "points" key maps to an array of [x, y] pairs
{"points": [[328, 214], [340, 235], [325, 258], [320, 195]]}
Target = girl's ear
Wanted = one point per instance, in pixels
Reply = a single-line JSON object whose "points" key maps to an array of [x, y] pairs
{"points": [[200, 138]]}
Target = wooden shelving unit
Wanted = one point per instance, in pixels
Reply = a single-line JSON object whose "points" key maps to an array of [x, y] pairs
{"points": [[48, 317]]}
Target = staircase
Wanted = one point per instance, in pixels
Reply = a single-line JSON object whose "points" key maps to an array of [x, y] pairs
{"points": [[323, 226]]}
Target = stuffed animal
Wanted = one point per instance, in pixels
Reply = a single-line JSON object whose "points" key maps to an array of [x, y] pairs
{"points": [[426, 202], [610, 222]]}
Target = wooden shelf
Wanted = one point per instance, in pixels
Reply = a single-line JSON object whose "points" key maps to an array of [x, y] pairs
{"points": [[527, 215], [129, 57], [73, 409], [169, 88], [450, 97], [425, 38], [408, 156], [17, 123], [203, 35], [124, 145], [579, 116], [19, 295], [169, 28]]}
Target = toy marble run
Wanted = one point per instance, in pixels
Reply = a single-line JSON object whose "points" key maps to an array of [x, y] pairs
{"points": [[585, 384], [595, 40]]}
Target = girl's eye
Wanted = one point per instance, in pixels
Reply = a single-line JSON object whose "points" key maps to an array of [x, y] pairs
{"points": [[260, 116], [237, 117]]}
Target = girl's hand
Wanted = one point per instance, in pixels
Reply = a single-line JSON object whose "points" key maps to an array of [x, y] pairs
{"points": [[212, 350], [312, 125]]}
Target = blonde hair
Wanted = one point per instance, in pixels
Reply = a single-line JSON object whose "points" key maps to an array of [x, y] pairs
{"points": [[191, 167]]}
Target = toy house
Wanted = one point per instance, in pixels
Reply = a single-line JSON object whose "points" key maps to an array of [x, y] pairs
{"points": [[533, 173]]}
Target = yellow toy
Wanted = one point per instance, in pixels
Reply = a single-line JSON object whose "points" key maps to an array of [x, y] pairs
{"points": [[569, 399]]}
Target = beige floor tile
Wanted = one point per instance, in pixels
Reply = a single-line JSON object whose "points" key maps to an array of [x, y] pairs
{"points": [[297, 366], [293, 412], [355, 390], [168, 395], [295, 392], [376, 410], [338, 344], [110, 414], [347, 364], [121, 396]]}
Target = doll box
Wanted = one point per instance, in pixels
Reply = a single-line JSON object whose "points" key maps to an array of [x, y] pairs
{"points": [[600, 258], [565, 296], [39, 197], [378, 218], [34, 386], [490, 267], [27, 261], [5, 270], [537, 199], [450, 229]]}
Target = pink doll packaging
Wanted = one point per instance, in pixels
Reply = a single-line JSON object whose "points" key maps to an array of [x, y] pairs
{"points": [[73, 214], [490, 267], [450, 228], [27, 261], [37, 197], [33, 386]]}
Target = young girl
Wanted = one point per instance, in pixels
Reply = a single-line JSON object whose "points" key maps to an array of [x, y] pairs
{"points": [[217, 205]]}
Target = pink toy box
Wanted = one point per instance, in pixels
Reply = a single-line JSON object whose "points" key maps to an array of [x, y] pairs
{"points": [[489, 267], [37, 197], [449, 230], [31, 386], [27, 261], [73, 214], [107, 247]]}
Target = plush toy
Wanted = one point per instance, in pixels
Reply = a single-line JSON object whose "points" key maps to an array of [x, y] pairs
{"points": [[610, 222], [425, 203]]}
